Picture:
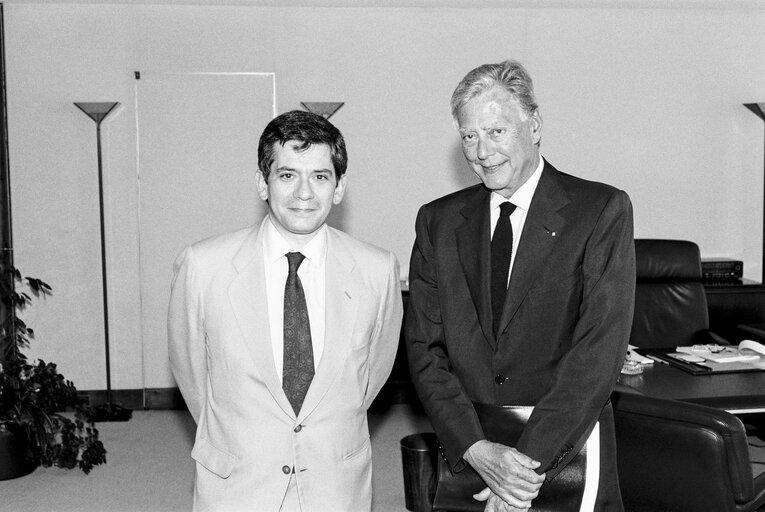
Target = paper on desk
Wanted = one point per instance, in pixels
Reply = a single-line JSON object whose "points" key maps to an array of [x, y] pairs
{"points": [[634, 356], [747, 350], [752, 345]]}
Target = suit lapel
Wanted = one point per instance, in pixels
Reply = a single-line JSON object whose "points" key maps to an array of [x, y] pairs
{"points": [[249, 301], [541, 231], [342, 295], [473, 247]]}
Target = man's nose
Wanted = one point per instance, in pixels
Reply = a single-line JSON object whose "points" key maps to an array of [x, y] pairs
{"points": [[303, 189], [484, 148]]}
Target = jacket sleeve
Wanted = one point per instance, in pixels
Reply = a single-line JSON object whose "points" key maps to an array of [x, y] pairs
{"points": [[386, 334], [587, 372], [448, 406], [186, 335]]}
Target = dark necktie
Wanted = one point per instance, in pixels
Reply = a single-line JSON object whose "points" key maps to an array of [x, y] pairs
{"points": [[501, 251], [298, 349]]}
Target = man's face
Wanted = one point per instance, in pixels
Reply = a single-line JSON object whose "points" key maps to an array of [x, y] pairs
{"points": [[499, 140], [301, 189]]}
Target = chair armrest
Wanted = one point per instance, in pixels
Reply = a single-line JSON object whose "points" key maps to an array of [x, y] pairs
{"points": [[754, 332], [685, 452], [716, 338]]}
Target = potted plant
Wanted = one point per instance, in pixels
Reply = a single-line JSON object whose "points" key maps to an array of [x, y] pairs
{"points": [[42, 420]]}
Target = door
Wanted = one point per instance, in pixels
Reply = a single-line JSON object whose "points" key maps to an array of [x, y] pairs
{"points": [[197, 157]]}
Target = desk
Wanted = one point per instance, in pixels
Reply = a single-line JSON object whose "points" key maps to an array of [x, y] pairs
{"points": [[737, 393]]}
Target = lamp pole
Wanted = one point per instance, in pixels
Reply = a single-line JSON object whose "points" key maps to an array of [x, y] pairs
{"points": [[759, 110]]}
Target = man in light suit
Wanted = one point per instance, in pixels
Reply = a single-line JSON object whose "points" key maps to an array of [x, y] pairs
{"points": [[542, 321], [280, 399]]}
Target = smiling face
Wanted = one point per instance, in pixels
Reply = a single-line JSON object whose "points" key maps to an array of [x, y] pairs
{"points": [[499, 140], [301, 189]]}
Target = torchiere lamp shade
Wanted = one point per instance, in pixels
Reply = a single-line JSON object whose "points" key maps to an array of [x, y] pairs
{"points": [[95, 110], [757, 108], [323, 108]]}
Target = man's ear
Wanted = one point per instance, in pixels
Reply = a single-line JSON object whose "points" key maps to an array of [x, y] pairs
{"points": [[535, 122], [339, 190], [262, 185]]}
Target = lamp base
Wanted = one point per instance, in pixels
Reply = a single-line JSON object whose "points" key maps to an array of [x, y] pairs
{"points": [[111, 412]]}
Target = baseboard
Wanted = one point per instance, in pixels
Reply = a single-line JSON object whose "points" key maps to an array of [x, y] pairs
{"points": [[164, 398], [393, 392], [137, 399]]}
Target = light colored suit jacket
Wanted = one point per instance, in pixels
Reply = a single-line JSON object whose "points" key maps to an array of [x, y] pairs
{"points": [[248, 438]]}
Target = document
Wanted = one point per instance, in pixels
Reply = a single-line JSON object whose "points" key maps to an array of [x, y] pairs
{"points": [[747, 350], [747, 356]]}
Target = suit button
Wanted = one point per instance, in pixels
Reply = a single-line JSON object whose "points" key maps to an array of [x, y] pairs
{"points": [[286, 470], [298, 428], [500, 379]]}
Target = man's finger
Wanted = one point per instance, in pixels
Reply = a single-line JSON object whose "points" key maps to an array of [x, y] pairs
{"points": [[526, 461], [483, 495]]}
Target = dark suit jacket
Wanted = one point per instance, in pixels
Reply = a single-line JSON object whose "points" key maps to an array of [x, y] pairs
{"points": [[563, 332]]}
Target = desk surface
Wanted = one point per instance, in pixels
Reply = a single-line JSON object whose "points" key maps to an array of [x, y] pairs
{"points": [[735, 392]]}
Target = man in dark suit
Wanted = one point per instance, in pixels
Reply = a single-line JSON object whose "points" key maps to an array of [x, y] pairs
{"points": [[536, 312]]}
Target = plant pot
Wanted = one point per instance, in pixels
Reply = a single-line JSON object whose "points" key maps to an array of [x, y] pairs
{"points": [[15, 454]]}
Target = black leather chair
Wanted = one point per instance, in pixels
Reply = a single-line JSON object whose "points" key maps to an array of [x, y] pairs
{"points": [[678, 456], [670, 301], [755, 332]]}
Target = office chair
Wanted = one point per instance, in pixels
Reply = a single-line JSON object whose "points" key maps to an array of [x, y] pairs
{"points": [[670, 301], [679, 456], [755, 332]]}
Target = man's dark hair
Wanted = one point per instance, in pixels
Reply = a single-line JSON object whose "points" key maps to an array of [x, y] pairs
{"points": [[304, 129]]}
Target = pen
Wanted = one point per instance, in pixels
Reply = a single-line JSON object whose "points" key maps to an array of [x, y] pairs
{"points": [[662, 361]]}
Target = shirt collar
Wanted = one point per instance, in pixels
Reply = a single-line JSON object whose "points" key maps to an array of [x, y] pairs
{"points": [[522, 197], [275, 246]]}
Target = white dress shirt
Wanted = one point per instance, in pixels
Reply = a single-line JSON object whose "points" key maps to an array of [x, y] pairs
{"points": [[312, 276], [522, 200]]}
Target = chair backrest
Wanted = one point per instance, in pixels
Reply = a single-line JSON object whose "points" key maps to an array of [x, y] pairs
{"points": [[670, 301], [680, 456]]}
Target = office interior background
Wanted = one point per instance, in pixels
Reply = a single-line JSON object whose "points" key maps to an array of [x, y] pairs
{"points": [[646, 95]]}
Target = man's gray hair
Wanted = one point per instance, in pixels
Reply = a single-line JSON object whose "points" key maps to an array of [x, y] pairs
{"points": [[510, 75]]}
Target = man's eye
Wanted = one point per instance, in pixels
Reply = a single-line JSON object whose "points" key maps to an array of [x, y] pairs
{"points": [[468, 138], [498, 131], [285, 175]]}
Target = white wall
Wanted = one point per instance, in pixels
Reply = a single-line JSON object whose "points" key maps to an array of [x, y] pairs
{"points": [[648, 99]]}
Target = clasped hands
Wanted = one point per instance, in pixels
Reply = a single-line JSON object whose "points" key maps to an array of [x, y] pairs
{"points": [[509, 475]]}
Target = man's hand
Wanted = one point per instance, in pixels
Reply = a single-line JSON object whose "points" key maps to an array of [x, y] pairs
{"points": [[509, 473], [494, 503]]}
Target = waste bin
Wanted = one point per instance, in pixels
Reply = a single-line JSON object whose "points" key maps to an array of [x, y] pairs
{"points": [[419, 454]]}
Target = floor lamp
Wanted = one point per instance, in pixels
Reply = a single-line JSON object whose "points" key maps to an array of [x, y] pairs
{"points": [[759, 110], [108, 411]]}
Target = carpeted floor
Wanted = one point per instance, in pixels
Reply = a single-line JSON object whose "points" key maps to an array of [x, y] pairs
{"points": [[149, 468]]}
